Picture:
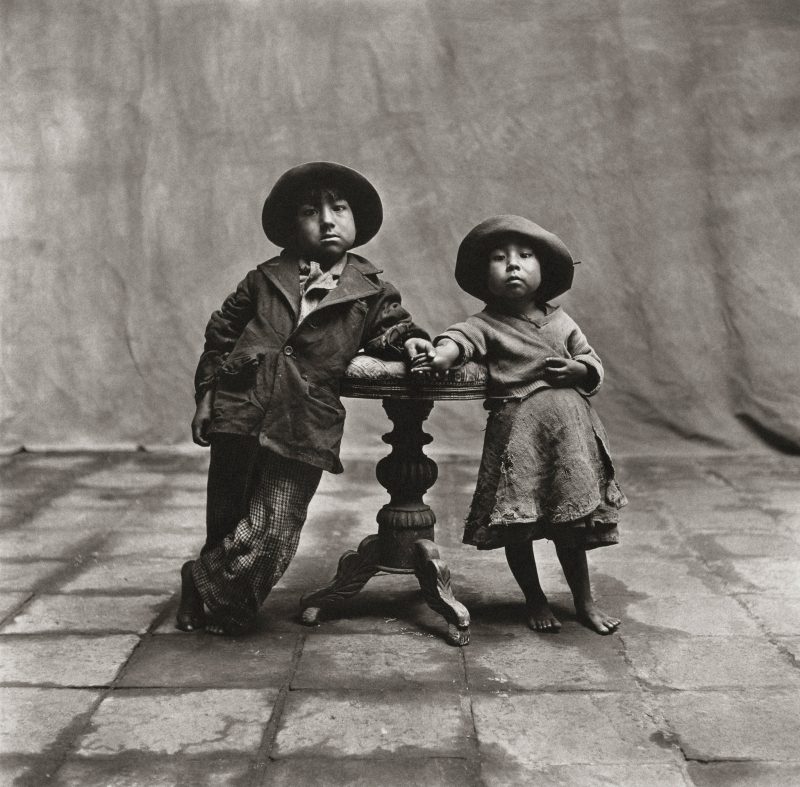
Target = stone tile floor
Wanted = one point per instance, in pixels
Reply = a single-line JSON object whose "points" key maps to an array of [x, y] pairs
{"points": [[700, 685]]}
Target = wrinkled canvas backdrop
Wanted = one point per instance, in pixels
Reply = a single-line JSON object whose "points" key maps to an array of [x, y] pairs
{"points": [[658, 139]]}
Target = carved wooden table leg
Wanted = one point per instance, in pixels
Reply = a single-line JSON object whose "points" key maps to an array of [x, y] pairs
{"points": [[354, 571], [404, 544], [434, 579]]}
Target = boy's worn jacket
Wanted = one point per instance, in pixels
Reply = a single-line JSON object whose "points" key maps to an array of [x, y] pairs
{"points": [[279, 380]]}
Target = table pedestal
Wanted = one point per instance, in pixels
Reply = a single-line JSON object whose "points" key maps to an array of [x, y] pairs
{"points": [[404, 542]]}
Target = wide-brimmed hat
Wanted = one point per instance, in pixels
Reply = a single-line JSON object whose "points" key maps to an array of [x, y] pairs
{"points": [[554, 257], [280, 207]]}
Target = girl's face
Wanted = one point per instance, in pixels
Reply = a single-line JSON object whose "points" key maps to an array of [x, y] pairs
{"points": [[514, 272], [326, 228]]}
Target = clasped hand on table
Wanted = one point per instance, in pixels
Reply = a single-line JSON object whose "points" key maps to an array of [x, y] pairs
{"points": [[427, 358]]}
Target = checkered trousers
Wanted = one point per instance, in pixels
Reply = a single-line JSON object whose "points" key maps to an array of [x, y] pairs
{"points": [[235, 576]]}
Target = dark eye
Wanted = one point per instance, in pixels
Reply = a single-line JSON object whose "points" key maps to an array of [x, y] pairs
{"points": [[307, 210]]}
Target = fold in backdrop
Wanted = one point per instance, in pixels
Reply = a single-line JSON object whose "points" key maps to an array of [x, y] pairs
{"points": [[658, 139]]}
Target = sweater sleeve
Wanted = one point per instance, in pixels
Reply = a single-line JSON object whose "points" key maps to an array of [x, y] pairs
{"points": [[469, 336], [389, 325], [580, 350], [222, 332]]}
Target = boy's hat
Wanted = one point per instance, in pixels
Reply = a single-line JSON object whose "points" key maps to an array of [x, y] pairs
{"points": [[472, 263], [278, 215]]}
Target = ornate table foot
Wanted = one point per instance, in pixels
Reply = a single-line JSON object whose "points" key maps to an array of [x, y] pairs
{"points": [[354, 571], [434, 579]]}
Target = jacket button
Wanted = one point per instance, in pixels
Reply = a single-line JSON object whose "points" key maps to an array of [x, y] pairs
{"points": [[288, 350]]}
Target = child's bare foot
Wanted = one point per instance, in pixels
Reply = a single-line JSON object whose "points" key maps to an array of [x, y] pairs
{"points": [[223, 627], [597, 620], [541, 617], [191, 612]]}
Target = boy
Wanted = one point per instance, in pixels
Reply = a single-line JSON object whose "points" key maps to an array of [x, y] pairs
{"points": [[267, 385]]}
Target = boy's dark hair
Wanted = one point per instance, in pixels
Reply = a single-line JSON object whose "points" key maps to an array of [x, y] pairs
{"points": [[316, 178]]}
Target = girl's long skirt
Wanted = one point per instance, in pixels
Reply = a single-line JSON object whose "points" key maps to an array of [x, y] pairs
{"points": [[546, 472]]}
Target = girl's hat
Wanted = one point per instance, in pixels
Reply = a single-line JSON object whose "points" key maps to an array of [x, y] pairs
{"points": [[472, 262], [280, 207]]}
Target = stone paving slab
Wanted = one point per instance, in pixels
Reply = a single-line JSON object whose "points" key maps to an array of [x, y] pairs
{"points": [[32, 542], [380, 724], [74, 612], [126, 575], [59, 526], [10, 601], [418, 772], [702, 615], [94, 504], [188, 723], [29, 574], [764, 574], [33, 719], [709, 662], [779, 615], [69, 660], [685, 577], [735, 725], [504, 774], [573, 660], [706, 656], [564, 728], [174, 771], [180, 545], [718, 546], [374, 661], [744, 774], [205, 660], [790, 645]]}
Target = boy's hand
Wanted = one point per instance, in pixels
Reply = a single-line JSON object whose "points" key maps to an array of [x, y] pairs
{"points": [[564, 372], [202, 418], [420, 353]]}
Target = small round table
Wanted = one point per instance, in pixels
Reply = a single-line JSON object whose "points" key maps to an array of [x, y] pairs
{"points": [[404, 542]]}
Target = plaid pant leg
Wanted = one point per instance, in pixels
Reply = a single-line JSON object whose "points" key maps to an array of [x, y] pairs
{"points": [[236, 576], [230, 468]]}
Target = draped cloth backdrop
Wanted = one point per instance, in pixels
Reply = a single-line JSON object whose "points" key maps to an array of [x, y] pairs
{"points": [[658, 139]]}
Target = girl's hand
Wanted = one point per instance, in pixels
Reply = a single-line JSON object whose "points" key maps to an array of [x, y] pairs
{"points": [[445, 355], [564, 372], [202, 418]]}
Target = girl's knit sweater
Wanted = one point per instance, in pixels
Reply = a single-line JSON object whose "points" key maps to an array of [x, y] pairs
{"points": [[514, 349]]}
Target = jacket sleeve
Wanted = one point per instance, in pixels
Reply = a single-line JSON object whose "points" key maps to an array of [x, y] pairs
{"points": [[222, 332], [580, 350], [388, 325]]}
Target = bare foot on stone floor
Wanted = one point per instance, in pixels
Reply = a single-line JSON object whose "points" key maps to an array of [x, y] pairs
{"points": [[597, 620], [541, 617], [191, 612]]}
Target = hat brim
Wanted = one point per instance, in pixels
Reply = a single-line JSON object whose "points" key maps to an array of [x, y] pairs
{"points": [[280, 207], [554, 257]]}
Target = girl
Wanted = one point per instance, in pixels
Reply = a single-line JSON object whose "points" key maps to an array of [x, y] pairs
{"points": [[546, 471]]}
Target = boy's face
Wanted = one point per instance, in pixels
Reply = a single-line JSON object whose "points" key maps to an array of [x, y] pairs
{"points": [[326, 228], [514, 272]]}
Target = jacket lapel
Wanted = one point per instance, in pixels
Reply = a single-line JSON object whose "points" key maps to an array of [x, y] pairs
{"points": [[284, 274]]}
